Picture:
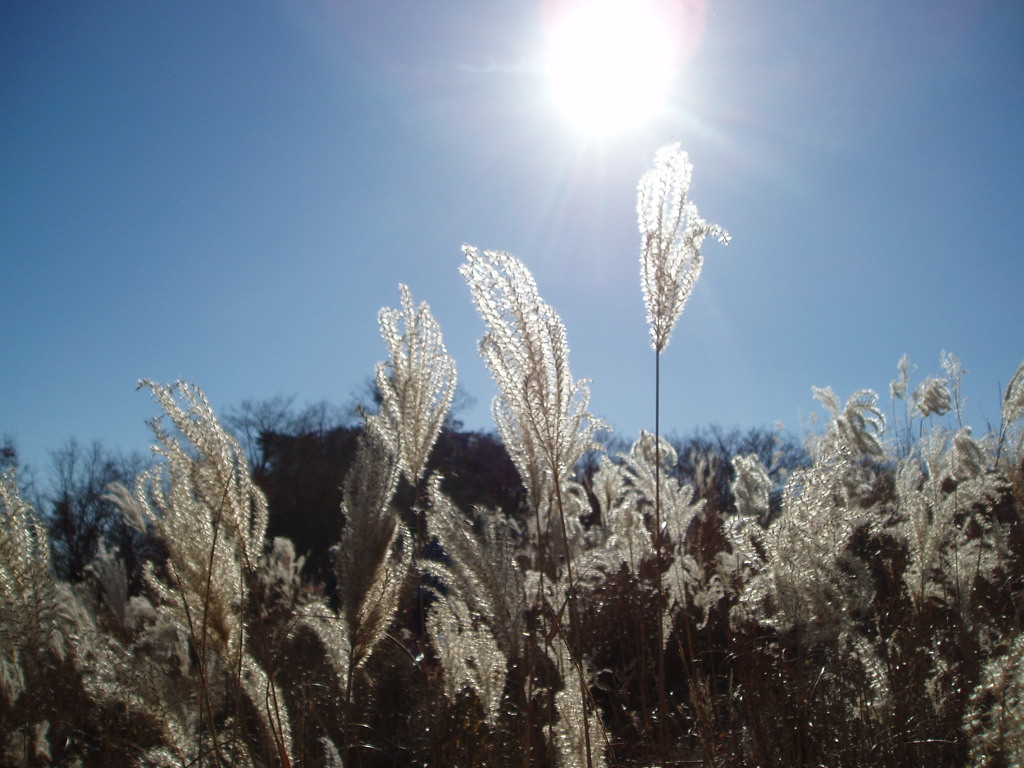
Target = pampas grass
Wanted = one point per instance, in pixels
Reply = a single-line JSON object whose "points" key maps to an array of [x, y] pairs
{"points": [[866, 611]]}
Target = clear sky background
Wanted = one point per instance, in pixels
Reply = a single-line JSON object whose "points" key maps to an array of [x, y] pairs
{"points": [[227, 192]]}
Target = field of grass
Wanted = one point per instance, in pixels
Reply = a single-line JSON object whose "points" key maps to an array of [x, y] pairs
{"points": [[865, 611]]}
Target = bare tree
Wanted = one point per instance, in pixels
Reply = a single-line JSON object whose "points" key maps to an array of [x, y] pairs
{"points": [[77, 512], [253, 419]]}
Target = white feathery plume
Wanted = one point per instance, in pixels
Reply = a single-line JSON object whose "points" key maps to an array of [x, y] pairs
{"points": [[569, 737], [926, 524], [677, 500], [1011, 431], [111, 579], [542, 411], [752, 486], [627, 539], [855, 430], [898, 386], [934, 490], [672, 233], [469, 654], [994, 719], [417, 383], [802, 575], [332, 758], [29, 597], [483, 570], [646, 470], [966, 458], [955, 373], [1013, 400], [933, 396], [214, 477], [212, 519], [373, 557], [148, 678]]}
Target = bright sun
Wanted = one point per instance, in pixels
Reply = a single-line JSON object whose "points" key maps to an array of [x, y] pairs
{"points": [[611, 63]]}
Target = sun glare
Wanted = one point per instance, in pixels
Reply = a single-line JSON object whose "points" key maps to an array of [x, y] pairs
{"points": [[611, 63]]}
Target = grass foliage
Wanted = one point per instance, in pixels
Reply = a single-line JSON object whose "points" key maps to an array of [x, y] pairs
{"points": [[865, 612]]}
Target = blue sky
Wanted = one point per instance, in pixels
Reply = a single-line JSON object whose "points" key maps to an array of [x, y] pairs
{"points": [[227, 192]]}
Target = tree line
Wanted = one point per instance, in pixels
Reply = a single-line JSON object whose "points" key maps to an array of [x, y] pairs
{"points": [[299, 457]]}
